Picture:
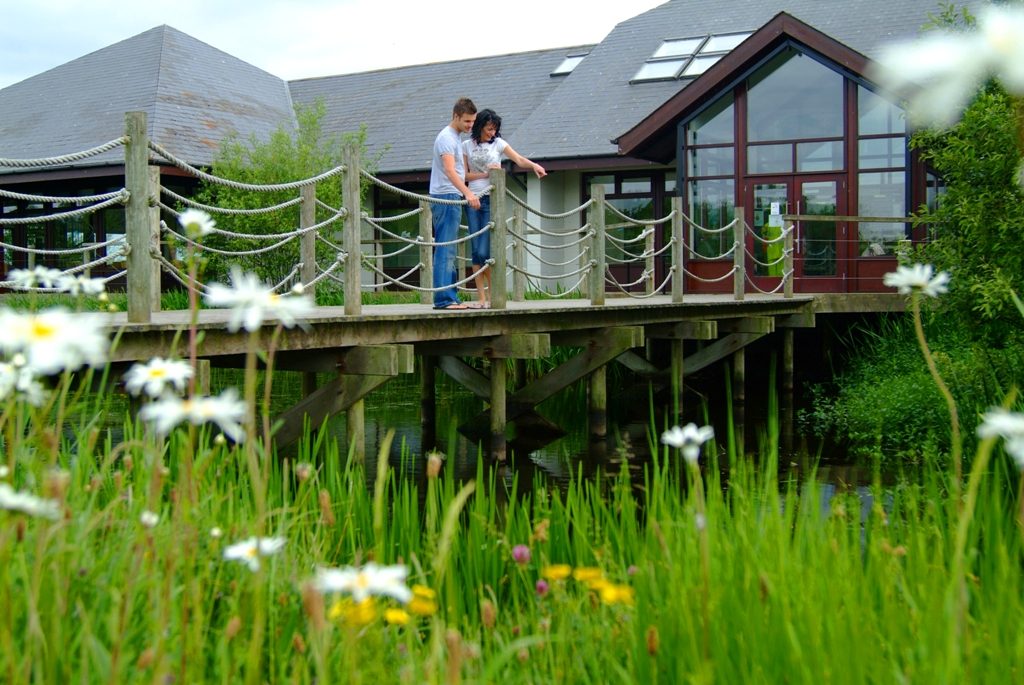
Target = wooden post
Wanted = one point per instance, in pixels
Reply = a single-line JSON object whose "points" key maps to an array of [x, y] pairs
{"points": [[426, 252], [355, 422], [678, 374], [678, 249], [596, 213], [598, 414], [154, 239], [649, 260], [137, 219], [499, 239], [519, 253], [788, 261], [739, 395], [307, 242], [787, 388], [203, 376], [499, 377], [350, 189], [428, 403], [739, 255]]}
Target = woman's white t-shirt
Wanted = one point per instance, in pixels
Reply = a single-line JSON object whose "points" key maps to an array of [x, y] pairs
{"points": [[481, 156]]}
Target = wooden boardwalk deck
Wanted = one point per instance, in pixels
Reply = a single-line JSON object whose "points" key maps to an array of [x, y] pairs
{"points": [[330, 327]]}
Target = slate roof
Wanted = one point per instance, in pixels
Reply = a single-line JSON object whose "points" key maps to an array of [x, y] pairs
{"points": [[193, 94], [405, 108]]}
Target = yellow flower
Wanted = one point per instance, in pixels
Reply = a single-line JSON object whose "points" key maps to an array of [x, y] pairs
{"points": [[396, 617], [556, 571], [587, 574], [423, 602], [617, 594], [353, 613]]}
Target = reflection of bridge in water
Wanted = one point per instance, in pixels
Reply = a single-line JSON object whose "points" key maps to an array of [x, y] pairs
{"points": [[650, 325]]}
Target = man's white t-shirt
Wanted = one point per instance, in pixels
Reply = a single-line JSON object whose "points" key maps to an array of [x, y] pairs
{"points": [[481, 156], [448, 142]]}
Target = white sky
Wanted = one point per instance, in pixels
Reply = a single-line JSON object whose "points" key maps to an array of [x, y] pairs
{"points": [[303, 38]]}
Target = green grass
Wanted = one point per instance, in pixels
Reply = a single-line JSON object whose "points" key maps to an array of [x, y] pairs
{"points": [[795, 591]]}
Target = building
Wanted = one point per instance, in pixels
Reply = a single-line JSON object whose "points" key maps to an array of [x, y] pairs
{"points": [[759, 104]]}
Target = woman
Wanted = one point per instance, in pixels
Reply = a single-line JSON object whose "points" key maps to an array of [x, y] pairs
{"points": [[484, 151]]}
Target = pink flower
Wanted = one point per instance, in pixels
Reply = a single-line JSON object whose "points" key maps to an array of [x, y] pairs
{"points": [[632, 570], [542, 587], [521, 554]]}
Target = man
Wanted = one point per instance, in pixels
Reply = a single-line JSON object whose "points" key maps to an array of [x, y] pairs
{"points": [[447, 182]]}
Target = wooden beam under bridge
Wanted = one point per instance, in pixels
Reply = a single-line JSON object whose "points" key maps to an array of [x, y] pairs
{"points": [[600, 346], [360, 371]]}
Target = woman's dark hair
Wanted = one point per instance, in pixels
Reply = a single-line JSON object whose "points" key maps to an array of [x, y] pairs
{"points": [[484, 117]]}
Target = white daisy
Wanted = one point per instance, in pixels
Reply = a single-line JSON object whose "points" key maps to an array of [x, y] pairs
{"points": [[227, 411], [37, 277], [27, 503], [1008, 425], [689, 438], [371, 579], [216, 533], [196, 222], [54, 340], [941, 72], [81, 285], [252, 301], [149, 519], [250, 550], [919, 278], [155, 375]]}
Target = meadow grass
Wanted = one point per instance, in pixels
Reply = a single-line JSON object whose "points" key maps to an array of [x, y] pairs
{"points": [[795, 588]]}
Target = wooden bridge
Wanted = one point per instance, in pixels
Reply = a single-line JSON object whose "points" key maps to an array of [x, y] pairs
{"points": [[656, 329], [658, 339]]}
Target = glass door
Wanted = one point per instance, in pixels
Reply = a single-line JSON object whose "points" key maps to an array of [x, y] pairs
{"points": [[819, 262]]}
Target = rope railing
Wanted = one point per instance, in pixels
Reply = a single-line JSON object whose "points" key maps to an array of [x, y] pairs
{"points": [[120, 198], [574, 289], [779, 286], [533, 246], [63, 159], [237, 185], [213, 209], [547, 215]]}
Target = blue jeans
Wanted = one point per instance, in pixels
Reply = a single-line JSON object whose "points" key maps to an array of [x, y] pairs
{"points": [[446, 229], [477, 219]]}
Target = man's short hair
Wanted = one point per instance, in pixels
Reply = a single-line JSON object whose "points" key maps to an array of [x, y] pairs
{"points": [[463, 106]]}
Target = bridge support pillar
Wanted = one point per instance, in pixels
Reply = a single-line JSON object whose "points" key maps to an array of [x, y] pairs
{"points": [[739, 395], [355, 430], [787, 389], [499, 377], [428, 403], [598, 414]]}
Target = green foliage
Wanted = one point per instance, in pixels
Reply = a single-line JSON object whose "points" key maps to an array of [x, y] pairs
{"points": [[288, 155], [885, 400], [977, 224]]}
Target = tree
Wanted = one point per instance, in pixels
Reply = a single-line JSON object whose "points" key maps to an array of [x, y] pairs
{"points": [[288, 155]]}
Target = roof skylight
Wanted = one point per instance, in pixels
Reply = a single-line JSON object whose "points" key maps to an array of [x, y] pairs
{"points": [[568, 64], [679, 58]]}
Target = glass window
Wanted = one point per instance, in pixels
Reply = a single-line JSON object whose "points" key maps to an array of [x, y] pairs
{"points": [[714, 124], [698, 65], [678, 47], [636, 185], [724, 43], [711, 207], [567, 65], [653, 71], [824, 155], [881, 153], [881, 194], [606, 180], [769, 159], [876, 115], [670, 185], [712, 161], [794, 97]]}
